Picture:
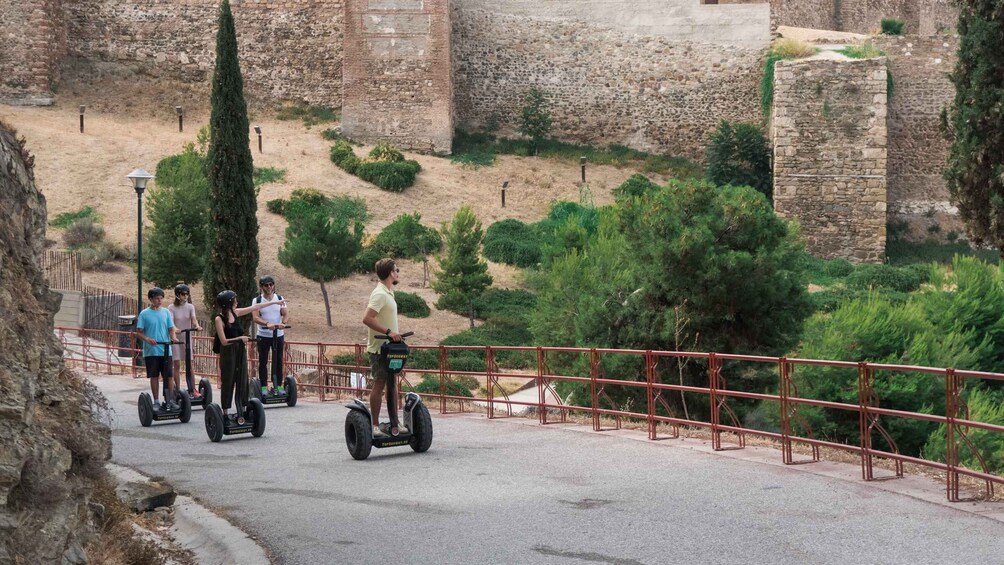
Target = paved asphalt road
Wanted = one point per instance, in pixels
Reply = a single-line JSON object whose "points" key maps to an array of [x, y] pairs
{"points": [[515, 492]]}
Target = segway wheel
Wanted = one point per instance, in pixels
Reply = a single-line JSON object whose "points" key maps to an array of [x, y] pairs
{"points": [[186, 407], [421, 441], [145, 407], [291, 391], [214, 422], [255, 389], [256, 410], [358, 434], [206, 390]]}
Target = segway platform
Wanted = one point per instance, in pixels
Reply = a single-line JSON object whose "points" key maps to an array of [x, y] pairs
{"points": [[251, 421], [359, 436], [148, 415], [275, 397]]}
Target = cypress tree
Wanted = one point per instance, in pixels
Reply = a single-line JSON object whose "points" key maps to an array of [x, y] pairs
{"points": [[233, 241], [975, 122]]}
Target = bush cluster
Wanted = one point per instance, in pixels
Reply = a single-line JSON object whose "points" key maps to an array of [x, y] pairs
{"points": [[385, 167], [430, 385], [411, 305], [407, 238], [65, 219], [512, 242], [493, 304], [901, 279]]}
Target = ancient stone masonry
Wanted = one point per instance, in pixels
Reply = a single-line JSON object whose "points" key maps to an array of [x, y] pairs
{"points": [[923, 17], [397, 85], [918, 196], [34, 43], [655, 75], [830, 144], [289, 49]]}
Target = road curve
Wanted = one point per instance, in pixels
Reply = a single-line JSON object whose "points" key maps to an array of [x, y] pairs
{"points": [[512, 492]]}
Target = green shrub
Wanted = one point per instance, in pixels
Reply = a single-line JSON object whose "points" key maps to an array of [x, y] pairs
{"points": [[264, 175], [394, 176], [512, 242], [411, 305], [905, 252], [830, 299], [892, 26], [366, 260], [385, 152], [866, 50], [504, 306], [838, 268], [83, 232], [344, 157], [885, 276], [739, 155], [474, 159], [95, 255], [346, 359], [66, 218], [637, 185], [310, 196], [430, 385], [407, 238], [277, 206]]}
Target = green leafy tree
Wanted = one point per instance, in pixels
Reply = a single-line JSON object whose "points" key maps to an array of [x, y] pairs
{"points": [[974, 123], [233, 238], [179, 211], [322, 248], [465, 274], [535, 120], [740, 155], [407, 238]]}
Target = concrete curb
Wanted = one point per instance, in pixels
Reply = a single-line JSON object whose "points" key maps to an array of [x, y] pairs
{"points": [[211, 538]]}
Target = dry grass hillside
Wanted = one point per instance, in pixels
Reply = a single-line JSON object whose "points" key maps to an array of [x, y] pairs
{"points": [[139, 128]]}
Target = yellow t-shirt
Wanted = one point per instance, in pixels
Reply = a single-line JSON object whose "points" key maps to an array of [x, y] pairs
{"points": [[382, 302]]}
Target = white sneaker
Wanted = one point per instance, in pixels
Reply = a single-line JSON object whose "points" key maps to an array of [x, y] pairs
{"points": [[377, 432]]}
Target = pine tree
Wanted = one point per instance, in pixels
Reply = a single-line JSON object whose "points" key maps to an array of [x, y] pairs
{"points": [[464, 275], [535, 120], [233, 241], [975, 122], [322, 248]]}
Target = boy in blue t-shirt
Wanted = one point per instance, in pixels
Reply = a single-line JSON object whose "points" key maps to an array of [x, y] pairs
{"points": [[156, 324]]}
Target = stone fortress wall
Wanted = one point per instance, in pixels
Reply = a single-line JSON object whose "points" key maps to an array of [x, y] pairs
{"points": [[830, 154], [651, 74]]}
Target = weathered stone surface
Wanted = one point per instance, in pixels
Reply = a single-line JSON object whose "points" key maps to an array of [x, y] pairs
{"points": [[50, 445], [143, 496], [830, 153]]}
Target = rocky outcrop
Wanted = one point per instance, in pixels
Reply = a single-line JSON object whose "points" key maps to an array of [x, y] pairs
{"points": [[51, 446]]}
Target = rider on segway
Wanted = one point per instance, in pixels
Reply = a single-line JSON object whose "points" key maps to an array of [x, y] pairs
{"points": [[270, 322], [381, 318], [183, 312], [155, 327]]}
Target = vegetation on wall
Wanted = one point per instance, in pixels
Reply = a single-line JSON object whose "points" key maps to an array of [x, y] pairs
{"points": [[781, 50]]}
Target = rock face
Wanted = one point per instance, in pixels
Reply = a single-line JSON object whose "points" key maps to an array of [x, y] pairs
{"points": [[52, 448]]}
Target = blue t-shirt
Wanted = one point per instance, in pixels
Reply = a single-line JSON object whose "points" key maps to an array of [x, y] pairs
{"points": [[155, 324]]}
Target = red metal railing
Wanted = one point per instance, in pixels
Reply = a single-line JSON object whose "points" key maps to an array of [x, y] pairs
{"points": [[329, 380]]}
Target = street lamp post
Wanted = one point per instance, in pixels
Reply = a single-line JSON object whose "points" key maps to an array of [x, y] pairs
{"points": [[257, 129], [139, 178]]}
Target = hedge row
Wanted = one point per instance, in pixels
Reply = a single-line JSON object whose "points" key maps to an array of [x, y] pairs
{"points": [[386, 167]]}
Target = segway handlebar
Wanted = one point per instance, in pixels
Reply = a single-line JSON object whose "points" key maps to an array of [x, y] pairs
{"points": [[170, 343], [387, 337]]}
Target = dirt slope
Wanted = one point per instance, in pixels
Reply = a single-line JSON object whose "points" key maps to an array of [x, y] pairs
{"points": [[74, 170]]}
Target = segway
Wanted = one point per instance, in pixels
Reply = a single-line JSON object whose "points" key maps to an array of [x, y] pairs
{"points": [[148, 414], [205, 391], [359, 436], [247, 419], [287, 396]]}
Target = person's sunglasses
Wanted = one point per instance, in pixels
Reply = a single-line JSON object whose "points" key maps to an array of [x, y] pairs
{"points": [[182, 294], [268, 284]]}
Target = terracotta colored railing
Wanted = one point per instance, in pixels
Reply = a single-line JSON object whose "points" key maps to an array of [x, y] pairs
{"points": [[102, 351]]}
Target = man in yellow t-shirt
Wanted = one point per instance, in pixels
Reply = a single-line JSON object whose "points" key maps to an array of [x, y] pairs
{"points": [[381, 318]]}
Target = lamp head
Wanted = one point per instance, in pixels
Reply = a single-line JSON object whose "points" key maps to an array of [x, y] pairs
{"points": [[257, 129], [139, 178], [82, 108], [179, 110]]}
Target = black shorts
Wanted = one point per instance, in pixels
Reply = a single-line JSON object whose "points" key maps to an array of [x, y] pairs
{"points": [[157, 366]]}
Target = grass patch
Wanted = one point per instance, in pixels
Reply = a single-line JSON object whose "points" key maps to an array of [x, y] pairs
{"points": [[780, 50], [905, 252], [476, 147], [311, 115], [66, 219], [264, 175], [864, 51], [474, 160]]}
